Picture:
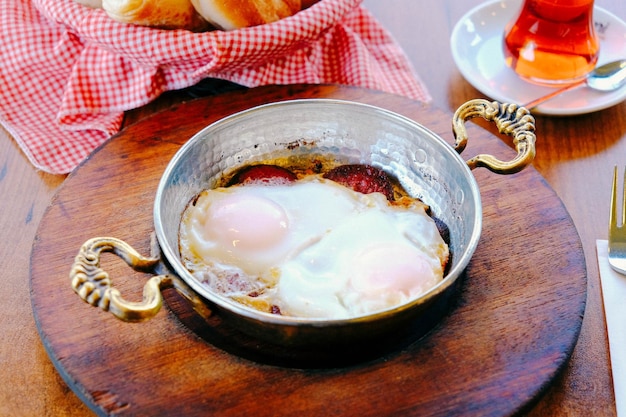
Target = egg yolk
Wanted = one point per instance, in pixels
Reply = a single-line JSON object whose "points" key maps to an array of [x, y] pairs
{"points": [[396, 268], [246, 223]]}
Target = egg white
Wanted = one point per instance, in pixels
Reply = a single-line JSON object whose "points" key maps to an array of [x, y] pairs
{"points": [[312, 248]]}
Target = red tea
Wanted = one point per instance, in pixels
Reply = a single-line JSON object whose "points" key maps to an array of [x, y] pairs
{"points": [[552, 41]]}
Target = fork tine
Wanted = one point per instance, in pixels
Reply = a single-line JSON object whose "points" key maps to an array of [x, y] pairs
{"points": [[617, 232], [613, 211], [624, 200]]}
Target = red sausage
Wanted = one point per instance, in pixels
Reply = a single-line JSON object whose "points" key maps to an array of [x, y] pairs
{"points": [[362, 178], [270, 174]]}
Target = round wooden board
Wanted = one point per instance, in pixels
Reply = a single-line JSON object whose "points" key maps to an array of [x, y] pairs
{"points": [[511, 328]]}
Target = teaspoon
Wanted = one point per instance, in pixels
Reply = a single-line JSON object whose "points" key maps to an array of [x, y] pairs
{"points": [[607, 77]]}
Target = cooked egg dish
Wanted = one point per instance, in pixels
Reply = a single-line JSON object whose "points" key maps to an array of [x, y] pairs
{"points": [[311, 248]]}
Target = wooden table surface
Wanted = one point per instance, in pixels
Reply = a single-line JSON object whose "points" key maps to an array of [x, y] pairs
{"points": [[575, 155]]}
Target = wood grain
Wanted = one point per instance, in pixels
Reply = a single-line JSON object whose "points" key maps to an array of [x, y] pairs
{"points": [[506, 336], [575, 156]]}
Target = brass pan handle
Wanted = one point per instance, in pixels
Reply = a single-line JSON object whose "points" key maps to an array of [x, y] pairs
{"points": [[511, 120], [94, 286]]}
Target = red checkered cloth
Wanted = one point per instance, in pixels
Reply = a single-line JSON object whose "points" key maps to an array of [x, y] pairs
{"points": [[68, 72]]}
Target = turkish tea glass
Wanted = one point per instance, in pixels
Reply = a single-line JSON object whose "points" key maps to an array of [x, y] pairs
{"points": [[552, 41]]}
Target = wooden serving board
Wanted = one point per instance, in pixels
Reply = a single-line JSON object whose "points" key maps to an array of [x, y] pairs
{"points": [[510, 329]]}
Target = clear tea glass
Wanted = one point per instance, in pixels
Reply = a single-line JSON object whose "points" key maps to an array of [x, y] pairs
{"points": [[552, 41]]}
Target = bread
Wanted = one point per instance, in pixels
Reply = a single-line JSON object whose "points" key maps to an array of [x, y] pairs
{"points": [[236, 14], [94, 4], [165, 14], [198, 15]]}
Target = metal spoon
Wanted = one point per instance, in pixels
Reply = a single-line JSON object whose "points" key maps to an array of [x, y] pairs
{"points": [[607, 77]]}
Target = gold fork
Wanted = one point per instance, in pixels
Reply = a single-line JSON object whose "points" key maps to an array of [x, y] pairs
{"points": [[617, 234]]}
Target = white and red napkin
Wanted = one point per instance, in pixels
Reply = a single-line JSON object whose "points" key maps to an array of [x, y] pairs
{"points": [[68, 72]]}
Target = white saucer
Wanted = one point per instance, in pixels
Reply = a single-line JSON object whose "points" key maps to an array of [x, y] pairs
{"points": [[477, 51]]}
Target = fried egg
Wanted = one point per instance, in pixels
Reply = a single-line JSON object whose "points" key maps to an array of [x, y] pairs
{"points": [[311, 248]]}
